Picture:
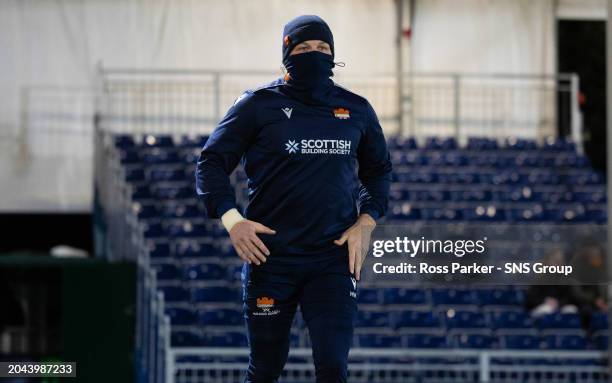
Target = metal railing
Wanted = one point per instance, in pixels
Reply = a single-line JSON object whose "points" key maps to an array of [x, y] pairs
{"points": [[411, 365], [426, 104]]}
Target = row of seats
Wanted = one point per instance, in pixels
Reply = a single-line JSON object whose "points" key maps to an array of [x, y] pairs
{"points": [[404, 175], [492, 213], [526, 341], [483, 144], [437, 318], [493, 159], [515, 194], [405, 211], [501, 177], [451, 318], [211, 271], [463, 158], [434, 143]]}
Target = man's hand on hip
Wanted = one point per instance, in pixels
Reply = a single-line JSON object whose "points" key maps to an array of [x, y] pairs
{"points": [[358, 238], [246, 242]]}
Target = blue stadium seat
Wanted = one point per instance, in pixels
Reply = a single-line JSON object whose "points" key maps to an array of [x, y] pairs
{"points": [[591, 197], [520, 341], [186, 339], [181, 316], [597, 215], [166, 192], [565, 342], [174, 293], [368, 295], [157, 141], [187, 230], [400, 295], [435, 214], [196, 141], [140, 193], [373, 319], [471, 195], [226, 339], [559, 321], [161, 157], [413, 318], [424, 341], [535, 213], [167, 271], [220, 317], [165, 175], [484, 213], [379, 340], [158, 250], [124, 141], [558, 144], [513, 143], [509, 320], [437, 143], [145, 210], [601, 340], [403, 211], [154, 230], [500, 296], [576, 213], [192, 248], [479, 341], [481, 143], [134, 175], [205, 271], [429, 195], [180, 211], [215, 294], [599, 321], [129, 157], [450, 296], [235, 273], [464, 319]]}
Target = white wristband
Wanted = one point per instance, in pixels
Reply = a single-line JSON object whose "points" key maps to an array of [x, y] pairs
{"points": [[230, 218]]}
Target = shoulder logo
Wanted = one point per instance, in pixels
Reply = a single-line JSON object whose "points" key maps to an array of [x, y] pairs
{"points": [[341, 113], [287, 111]]}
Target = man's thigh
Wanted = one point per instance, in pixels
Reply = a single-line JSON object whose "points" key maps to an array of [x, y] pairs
{"points": [[329, 308], [270, 297]]}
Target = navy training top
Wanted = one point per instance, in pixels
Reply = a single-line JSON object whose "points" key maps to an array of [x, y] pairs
{"points": [[311, 169]]}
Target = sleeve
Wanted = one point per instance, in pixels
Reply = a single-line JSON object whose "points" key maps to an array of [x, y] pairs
{"points": [[221, 154], [374, 168]]}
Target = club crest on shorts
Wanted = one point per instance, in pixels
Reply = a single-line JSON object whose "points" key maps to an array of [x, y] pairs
{"points": [[341, 113], [265, 306]]}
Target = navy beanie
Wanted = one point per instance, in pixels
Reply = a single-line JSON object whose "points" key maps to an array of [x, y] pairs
{"points": [[303, 28]]}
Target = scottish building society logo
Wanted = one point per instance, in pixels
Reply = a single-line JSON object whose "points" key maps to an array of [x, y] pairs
{"points": [[314, 146]]}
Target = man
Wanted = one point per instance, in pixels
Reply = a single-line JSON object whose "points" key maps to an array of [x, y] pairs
{"points": [[318, 175]]}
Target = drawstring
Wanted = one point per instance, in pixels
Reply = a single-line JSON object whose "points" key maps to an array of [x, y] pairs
{"points": [[340, 62]]}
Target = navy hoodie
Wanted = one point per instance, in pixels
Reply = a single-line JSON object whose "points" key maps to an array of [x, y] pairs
{"points": [[312, 169]]}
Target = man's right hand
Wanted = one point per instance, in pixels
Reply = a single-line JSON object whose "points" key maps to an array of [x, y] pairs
{"points": [[246, 242]]}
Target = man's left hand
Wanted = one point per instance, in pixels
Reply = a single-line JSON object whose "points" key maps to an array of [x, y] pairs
{"points": [[358, 238]]}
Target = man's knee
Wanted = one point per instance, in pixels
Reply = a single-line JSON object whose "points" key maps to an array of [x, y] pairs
{"points": [[264, 371], [331, 370], [267, 358]]}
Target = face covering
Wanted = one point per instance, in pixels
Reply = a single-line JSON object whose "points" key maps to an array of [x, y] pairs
{"points": [[309, 77]]}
